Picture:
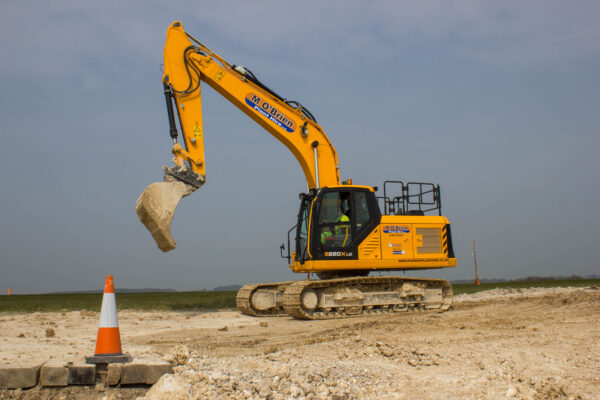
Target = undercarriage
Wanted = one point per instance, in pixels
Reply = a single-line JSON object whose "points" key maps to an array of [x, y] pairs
{"points": [[345, 297]]}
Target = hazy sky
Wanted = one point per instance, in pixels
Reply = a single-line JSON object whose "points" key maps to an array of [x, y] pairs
{"points": [[498, 102]]}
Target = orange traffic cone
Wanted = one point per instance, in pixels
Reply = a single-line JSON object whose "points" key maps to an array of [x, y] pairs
{"points": [[108, 342]]}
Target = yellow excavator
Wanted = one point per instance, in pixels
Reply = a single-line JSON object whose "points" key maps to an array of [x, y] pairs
{"points": [[343, 231]]}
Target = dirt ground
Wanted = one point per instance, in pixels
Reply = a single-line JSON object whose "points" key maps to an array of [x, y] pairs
{"points": [[521, 344]]}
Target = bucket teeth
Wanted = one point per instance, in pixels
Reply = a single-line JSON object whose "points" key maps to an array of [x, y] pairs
{"points": [[155, 208]]}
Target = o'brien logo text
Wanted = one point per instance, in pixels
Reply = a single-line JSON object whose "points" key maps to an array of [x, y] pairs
{"points": [[270, 112], [396, 229]]}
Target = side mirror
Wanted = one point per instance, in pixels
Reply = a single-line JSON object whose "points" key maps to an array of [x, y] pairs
{"points": [[281, 250]]}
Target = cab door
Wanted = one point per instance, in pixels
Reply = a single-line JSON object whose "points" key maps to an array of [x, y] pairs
{"points": [[341, 219]]}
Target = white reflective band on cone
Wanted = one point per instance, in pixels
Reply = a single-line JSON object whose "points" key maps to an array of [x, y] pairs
{"points": [[108, 316]]}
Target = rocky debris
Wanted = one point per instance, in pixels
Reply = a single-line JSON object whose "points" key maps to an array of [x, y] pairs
{"points": [[50, 332], [169, 387], [178, 355], [280, 375]]}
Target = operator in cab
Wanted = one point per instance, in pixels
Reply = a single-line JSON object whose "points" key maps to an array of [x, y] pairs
{"points": [[338, 236]]}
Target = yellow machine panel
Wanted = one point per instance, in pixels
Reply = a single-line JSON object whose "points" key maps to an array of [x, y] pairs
{"points": [[423, 237], [370, 248], [397, 240]]}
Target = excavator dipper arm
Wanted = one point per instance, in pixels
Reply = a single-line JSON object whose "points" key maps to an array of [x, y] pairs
{"points": [[188, 63]]}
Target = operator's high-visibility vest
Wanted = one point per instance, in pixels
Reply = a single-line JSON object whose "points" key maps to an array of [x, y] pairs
{"points": [[343, 229], [339, 230]]}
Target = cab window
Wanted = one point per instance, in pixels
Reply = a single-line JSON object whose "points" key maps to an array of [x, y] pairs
{"points": [[362, 210], [334, 225]]}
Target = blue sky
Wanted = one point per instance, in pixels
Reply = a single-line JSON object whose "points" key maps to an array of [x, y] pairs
{"points": [[495, 101]]}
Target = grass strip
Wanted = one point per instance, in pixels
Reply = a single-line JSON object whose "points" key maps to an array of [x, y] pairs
{"points": [[169, 301], [182, 301]]}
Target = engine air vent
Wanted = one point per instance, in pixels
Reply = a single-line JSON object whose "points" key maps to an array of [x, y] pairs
{"points": [[432, 241]]}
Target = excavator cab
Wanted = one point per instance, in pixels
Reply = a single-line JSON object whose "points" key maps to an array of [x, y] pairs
{"points": [[348, 230], [333, 222]]}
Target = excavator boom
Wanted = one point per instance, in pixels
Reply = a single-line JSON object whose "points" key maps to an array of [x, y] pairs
{"points": [[187, 64]]}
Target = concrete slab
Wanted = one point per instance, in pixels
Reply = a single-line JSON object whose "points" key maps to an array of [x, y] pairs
{"points": [[144, 371], [81, 373], [113, 376], [54, 373], [19, 376]]}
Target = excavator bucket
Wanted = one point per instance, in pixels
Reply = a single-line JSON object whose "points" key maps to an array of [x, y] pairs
{"points": [[155, 208]]}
